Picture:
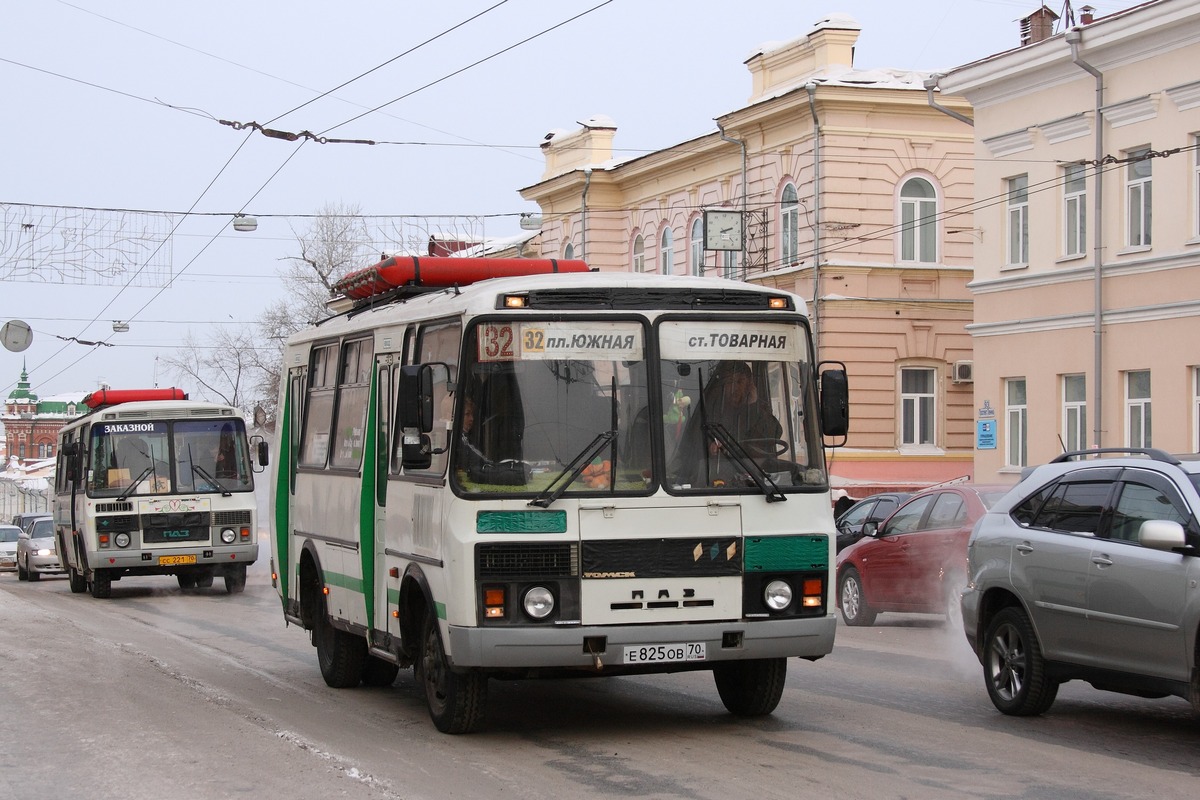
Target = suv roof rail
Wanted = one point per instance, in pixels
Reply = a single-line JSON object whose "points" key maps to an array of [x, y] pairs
{"points": [[1152, 452]]}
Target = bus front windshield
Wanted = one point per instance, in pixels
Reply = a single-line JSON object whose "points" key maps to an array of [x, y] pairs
{"points": [[577, 407], [163, 457]]}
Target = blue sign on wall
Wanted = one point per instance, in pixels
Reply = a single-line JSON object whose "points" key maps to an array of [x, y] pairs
{"points": [[985, 434]]}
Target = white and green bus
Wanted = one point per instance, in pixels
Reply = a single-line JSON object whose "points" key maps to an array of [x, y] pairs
{"points": [[556, 472], [151, 483]]}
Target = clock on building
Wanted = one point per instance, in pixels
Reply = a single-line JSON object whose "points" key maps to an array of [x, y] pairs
{"points": [[722, 229]]}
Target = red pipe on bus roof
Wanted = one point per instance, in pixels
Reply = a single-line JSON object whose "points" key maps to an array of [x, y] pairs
{"points": [[112, 397], [438, 271]]}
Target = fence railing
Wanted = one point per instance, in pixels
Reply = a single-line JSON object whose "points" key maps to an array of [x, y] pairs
{"points": [[18, 499]]}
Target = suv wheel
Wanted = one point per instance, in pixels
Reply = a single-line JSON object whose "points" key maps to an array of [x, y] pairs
{"points": [[853, 601], [1013, 667]]}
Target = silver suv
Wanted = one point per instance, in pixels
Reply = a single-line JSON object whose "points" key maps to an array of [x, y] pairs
{"points": [[1088, 569]]}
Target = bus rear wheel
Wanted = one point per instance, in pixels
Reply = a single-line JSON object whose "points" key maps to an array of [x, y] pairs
{"points": [[455, 699], [751, 688], [341, 655]]}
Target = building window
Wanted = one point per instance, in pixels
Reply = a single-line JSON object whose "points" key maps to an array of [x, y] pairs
{"points": [[569, 251], [1137, 409], [1138, 198], [789, 226], [696, 246], [917, 406], [1074, 210], [1074, 420], [1018, 221], [639, 253], [1196, 188], [666, 252], [918, 221], [1017, 415], [729, 268], [1196, 409]]}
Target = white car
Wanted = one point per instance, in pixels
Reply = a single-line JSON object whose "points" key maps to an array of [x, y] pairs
{"points": [[36, 553], [8, 547]]}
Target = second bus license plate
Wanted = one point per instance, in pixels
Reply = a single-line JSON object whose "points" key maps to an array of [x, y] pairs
{"points": [[664, 653], [171, 561]]}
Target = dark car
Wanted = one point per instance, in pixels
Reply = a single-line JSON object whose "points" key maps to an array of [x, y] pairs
{"points": [[916, 560], [1088, 570], [872, 509]]}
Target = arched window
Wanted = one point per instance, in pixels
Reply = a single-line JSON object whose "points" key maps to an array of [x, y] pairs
{"points": [[666, 252], [639, 253], [696, 247], [789, 226], [569, 251], [918, 221]]}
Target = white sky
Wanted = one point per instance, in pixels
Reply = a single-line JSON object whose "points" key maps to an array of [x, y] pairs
{"points": [[87, 123]]}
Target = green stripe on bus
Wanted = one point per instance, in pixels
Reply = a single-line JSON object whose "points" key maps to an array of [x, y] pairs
{"points": [[343, 581], [283, 494], [786, 553], [366, 503]]}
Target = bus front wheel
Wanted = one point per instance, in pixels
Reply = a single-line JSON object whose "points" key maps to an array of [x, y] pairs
{"points": [[101, 584], [751, 688], [456, 699], [235, 579], [77, 581]]}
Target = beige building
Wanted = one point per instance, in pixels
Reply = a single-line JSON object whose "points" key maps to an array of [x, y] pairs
{"points": [[1087, 262], [852, 188]]}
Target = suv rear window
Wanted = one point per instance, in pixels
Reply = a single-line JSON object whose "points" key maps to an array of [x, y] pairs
{"points": [[1074, 507]]}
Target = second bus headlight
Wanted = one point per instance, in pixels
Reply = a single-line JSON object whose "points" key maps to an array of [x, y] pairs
{"points": [[538, 602], [228, 535], [778, 595], [121, 540]]}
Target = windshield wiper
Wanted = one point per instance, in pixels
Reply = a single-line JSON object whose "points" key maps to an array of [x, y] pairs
{"points": [[125, 494], [734, 448], [203, 473], [572, 470]]}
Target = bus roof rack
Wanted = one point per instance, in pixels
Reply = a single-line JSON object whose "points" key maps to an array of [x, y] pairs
{"points": [[103, 398]]}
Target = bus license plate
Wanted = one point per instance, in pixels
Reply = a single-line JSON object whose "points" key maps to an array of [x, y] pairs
{"points": [[171, 561], [664, 653]]}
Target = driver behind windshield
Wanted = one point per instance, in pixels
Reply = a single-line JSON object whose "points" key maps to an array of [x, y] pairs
{"points": [[730, 399]]}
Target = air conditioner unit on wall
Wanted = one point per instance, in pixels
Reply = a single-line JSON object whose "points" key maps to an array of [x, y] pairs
{"points": [[964, 371]]}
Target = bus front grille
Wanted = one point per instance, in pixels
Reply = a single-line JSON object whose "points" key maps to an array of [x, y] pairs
{"points": [[521, 560]]}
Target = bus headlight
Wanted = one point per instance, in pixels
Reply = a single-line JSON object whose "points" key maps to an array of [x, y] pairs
{"points": [[777, 595], [228, 535], [121, 540], [538, 602]]}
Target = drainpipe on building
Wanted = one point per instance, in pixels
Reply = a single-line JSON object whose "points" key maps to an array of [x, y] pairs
{"points": [[816, 314], [1074, 37], [745, 239], [587, 182], [930, 84]]}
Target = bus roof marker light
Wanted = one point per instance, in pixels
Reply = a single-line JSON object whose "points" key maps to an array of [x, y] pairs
{"points": [[516, 301], [779, 303]]}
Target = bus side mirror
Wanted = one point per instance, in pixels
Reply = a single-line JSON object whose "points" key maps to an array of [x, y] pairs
{"points": [[835, 400], [262, 451], [70, 452], [414, 415], [415, 409]]}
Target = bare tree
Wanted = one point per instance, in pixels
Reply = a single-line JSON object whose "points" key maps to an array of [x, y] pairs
{"points": [[242, 367], [222, 369]]}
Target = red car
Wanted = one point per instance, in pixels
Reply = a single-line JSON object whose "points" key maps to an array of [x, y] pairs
{"points": [[915, 561]]}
